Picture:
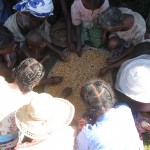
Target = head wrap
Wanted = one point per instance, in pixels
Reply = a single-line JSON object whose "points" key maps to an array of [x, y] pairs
{"points": [[38, 8]]}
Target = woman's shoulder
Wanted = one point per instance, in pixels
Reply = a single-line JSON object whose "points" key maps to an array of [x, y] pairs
{"points": [[62, 139]]}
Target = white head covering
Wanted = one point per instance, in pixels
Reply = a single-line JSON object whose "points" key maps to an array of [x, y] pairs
{"points": [[43, 115], [133, 79], [38, 8]]}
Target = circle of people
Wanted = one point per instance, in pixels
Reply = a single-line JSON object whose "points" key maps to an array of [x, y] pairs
{"points": [[115, 117]]}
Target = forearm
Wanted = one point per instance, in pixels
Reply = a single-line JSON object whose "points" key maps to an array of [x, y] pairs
{"points": [[104, 36], [44, 59], [51, 47], [127, 52], [117, 64], [78, 34], [67, 18], [69, 27], [6, 72]]}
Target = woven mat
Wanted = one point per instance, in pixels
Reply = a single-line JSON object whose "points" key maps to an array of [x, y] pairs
{"points": [[77, 72]]}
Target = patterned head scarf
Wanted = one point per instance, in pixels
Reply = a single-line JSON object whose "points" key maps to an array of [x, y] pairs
{"points": [[38, 8]]}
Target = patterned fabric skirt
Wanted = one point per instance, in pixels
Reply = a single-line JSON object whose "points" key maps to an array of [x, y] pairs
{"points": [[91, 33]]}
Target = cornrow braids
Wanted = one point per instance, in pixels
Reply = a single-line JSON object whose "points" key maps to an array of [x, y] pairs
{"points": [[28, 74], [6, 37], [98, 95]]}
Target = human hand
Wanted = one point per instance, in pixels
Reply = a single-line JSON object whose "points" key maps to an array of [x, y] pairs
{"points": [[103, 71], [71, 45], [79, 50]]}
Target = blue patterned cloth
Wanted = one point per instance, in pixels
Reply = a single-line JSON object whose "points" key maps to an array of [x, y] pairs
{"points": [[38, 8], [7, 138]]}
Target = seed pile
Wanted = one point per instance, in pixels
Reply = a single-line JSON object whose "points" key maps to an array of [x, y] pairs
{"points": [[77, 72]]}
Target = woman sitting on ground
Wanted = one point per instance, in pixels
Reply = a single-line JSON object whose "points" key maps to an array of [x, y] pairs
{"points": [[44, 124], [126, 24], [139, 49], [114, 127], [132, 87], [26, 76]]}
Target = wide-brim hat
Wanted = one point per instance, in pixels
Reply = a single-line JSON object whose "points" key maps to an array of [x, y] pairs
{"points": [[43, 115], [133, 79], [58, 34]]}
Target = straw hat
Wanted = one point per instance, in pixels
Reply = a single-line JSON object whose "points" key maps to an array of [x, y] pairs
{"points": [[43, 115], [133, 79], [58, 34]]}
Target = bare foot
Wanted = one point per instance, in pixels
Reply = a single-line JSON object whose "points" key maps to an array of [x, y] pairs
{"points": [[103, 71], [66, 92]]}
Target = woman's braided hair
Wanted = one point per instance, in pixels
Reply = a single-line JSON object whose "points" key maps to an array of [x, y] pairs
{"points": [[98, 95], [28, 74]]}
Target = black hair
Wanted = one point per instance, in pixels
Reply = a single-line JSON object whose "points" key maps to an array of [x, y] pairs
{"points": [[97, 2], [34, 36], [98, 95], [28, 74], [6, 37], [110, 18]]}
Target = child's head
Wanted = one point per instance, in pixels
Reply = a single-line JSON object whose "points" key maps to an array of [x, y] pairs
{"points": [[114, 42], [92, 4], [98, 95], [7, 43], [28, 74], [34, 41]]}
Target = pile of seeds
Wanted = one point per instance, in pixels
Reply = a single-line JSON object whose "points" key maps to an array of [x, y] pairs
{"points": [[77, 72]]}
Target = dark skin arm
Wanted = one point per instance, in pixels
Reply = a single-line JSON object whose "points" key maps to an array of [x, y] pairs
{"points": [[6, 72], [25, 53], [71, 45], [127, 52], [104, 70], [104, 36], [45, 59], [78, 35], [61, 55]]}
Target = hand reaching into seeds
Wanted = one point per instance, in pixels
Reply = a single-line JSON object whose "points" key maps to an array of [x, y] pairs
{"points": [[103, 71]]}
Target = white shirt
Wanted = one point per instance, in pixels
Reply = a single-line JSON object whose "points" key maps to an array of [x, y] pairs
{"points": [[79, 13]]}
